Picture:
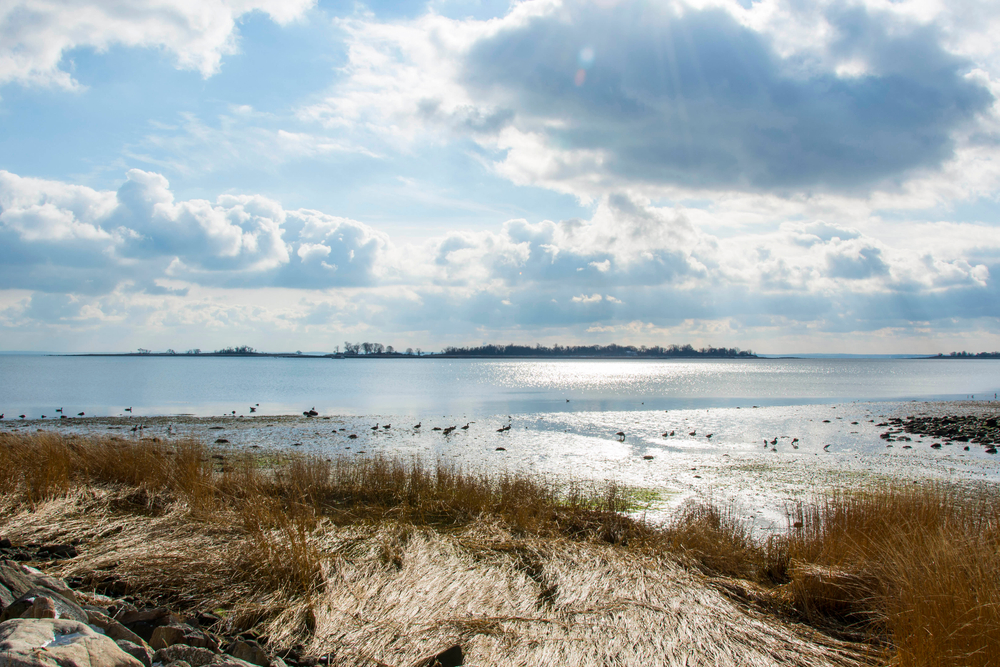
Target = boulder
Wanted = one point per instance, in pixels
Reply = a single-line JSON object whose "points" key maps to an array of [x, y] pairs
{"points": [[182, 633], [114, 629], [145, 622], [19, 579], [58, 643], [196, 657], [63, 607], [6, 597], [140, 652], [249, 651]]}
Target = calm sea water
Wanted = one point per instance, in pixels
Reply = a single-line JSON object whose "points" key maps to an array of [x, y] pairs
{"points": [[105, 386]]}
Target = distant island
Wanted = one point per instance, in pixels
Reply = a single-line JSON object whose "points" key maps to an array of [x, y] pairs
{"points": [[967, 355], [488, 351]]}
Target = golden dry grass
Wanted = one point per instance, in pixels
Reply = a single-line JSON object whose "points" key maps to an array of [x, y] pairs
{"points": [[387, 560]]}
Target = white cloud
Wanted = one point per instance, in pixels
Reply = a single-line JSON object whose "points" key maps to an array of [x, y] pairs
{"points": [[36, 35]]}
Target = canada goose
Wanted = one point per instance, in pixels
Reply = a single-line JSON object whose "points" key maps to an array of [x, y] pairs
{"points": [[709, 435], [794, 440], [253, 409], [826, 448], [1, 416], [665, 434], [375, 428], [775, 441], [466, 427], [671, 433], [694, 432], [448, 430], [387, 427], [79, 414], [417, 425], [58, 409], [353, 436], [21, 416], [621, 435], [436, 428], [43, 416], [310, 412], [128, 409]]}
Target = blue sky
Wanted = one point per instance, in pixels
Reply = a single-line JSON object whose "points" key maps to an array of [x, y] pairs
{"points": [[775, 175]]}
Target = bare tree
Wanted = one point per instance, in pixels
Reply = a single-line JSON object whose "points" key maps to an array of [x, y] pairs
{"points": [[367, 347], [419, 352], [378, 348], [390, 350]]}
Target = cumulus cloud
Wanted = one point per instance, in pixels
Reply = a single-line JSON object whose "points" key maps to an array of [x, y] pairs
{"points": [[80, 256], [35, 36], [589, 98]]}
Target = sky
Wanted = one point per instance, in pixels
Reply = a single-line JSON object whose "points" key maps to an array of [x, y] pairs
{"points": [[786, 176]]}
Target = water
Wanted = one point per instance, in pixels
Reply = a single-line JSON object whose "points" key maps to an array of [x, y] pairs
{"points": [[102, 386], [564, 416]]}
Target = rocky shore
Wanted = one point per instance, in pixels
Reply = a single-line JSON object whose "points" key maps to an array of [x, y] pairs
{"points": [[51, 622], [978, 429]]}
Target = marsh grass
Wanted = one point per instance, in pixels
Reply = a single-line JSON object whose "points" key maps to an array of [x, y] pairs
{"points": [[908, 573]]}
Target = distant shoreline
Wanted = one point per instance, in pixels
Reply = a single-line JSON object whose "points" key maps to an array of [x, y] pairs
{"points": [[292, 355]]}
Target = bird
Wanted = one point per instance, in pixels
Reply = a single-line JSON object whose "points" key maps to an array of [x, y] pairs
{"points": [[665, 434], [436, 428], [58, 409], [21, 416], [671, 433], [79, 414], [709, 435], [775, 441], [43, 416], [417, 425], [375, 427], [466, 427], [694, 432], [353, 436], [448, 430], [826, 448], [128, 409], [387, 426], [311, 412], [253, 409], [621, 435], [567, 400], [794, 440]]}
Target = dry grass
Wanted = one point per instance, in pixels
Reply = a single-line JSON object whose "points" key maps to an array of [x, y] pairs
{"points": [[376, 559], [911, 568]]}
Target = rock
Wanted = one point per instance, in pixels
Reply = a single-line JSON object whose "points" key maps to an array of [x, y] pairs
{"points": [[66, 609], [20, 579], [196, 657], [41, 607], [6, 597], [5, 543], [181, 633], [249, 651], [145, 622], [114, 629], [140, 652], [229, 661], [59, 550], [58, 643], [178, 663], [450, 657]]}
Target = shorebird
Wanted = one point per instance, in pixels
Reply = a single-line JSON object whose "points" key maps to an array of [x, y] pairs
{"points": [[621, 435]]}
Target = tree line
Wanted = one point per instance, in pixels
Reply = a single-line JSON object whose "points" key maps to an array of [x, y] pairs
{"points": [[612, 350]]}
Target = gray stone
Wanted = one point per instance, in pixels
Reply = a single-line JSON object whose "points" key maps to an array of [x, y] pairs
{"points": [[250, 651], [6, 597], [20, 579], [196, 657], [140, 652], [65, 608], [224, 660], [181, 633], [58, 643], [178, 663]]}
